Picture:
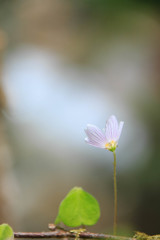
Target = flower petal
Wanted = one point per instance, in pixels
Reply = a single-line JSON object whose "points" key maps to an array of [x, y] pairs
{"points": [[95, 144], [112, 132], [95, 136], [120, 129]]}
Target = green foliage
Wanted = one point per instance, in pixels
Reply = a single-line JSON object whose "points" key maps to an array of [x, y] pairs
{"points": [[6, 232], [144, 236], [78, 208]]}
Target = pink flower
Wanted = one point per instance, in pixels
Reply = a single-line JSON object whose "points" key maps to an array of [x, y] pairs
{"points": [[107, 139]]}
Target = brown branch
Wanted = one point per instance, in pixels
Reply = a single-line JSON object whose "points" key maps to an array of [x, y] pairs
{"points": [[64, 234]]}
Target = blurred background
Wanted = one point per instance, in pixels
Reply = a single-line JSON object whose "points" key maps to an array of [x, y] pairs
{"points": [[64, 64]]}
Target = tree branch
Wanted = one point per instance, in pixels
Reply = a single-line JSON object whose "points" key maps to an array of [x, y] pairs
{"points": [[64, 234]]}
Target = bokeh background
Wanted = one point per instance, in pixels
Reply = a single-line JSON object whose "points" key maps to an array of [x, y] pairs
{"points": [[64, 64]]}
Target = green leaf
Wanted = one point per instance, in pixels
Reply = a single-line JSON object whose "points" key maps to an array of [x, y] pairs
{"points": [[6, 232], [78, 208]]}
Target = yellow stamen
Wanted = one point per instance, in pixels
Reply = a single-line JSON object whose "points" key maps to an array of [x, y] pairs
{"points": [[111, 146]]}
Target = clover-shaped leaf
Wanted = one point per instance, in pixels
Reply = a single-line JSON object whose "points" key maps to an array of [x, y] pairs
{"points": [[6, 232], [78, 208]]}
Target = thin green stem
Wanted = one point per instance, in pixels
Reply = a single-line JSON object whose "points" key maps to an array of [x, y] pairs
{"points": [[115, 196]]}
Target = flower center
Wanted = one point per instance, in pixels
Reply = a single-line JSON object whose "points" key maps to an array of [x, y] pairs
{"points": [[111, 146]]}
